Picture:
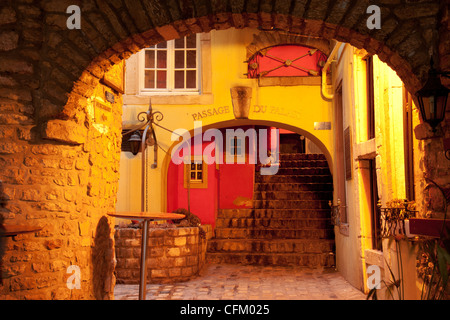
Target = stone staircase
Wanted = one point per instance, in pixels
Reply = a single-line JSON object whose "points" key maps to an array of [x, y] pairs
{"points": [[289, 223]]}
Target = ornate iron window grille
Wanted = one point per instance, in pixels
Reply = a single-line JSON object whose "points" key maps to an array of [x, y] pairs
{"points": [[393, 217]]}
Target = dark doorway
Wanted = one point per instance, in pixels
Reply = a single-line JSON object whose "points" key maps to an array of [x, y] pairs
{"points": [[292, 143]]}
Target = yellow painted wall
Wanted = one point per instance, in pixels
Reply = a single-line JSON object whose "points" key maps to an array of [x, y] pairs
{"points": [[295, 108], [348, 242], [354, 247]]}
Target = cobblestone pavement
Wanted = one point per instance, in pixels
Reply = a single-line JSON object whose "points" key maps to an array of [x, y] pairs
{"points": [[237, 282]]}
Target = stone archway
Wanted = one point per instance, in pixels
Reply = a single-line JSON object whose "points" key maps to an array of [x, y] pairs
{"points": [[273, 226], [114, 33], [51, 157], [243, 123]]}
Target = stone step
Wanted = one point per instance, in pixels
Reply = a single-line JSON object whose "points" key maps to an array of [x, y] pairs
{"points": [[271, 246], [303, 164], [299, 259], [302, 171], [294, 178], [274, 213], [286, 223], [291, 204], [293, 195], [294, 187], [273, 233], [289, 223]]}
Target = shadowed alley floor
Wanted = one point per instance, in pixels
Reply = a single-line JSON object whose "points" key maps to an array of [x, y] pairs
{"points": [[243, 282]]}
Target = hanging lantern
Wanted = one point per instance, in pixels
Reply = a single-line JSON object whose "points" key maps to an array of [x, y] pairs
{"points": [[432, 99], [135, 142]]}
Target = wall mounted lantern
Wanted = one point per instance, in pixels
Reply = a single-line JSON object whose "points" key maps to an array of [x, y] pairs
{"points": [[432, 98], [139, 142], [135, 142]]}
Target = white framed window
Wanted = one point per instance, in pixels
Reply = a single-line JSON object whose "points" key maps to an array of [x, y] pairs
{"points": [[171, 67]]}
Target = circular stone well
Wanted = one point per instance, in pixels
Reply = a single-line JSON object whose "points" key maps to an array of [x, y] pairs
{"points": [[175, 253]]}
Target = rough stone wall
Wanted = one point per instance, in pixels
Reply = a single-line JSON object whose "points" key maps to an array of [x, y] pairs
{"points": [[59, 172], [433, 191], [175, 254], [67, 189]]}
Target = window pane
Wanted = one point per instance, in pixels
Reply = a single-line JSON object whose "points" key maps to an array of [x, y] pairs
{"points": [[179, 79], [193, 175], [179, 43], [177, 74], [179, 59], [191, 79], [149, 79], [162, 59], [162, 76], [149, 58], [191, 41], [191, 58], [199, 175], [192, 166], [199, 166]]}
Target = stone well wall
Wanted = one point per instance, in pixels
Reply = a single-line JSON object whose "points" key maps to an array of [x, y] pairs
{"points": [[175, 254]]}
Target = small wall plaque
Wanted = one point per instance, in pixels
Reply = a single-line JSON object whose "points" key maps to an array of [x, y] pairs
{"points": [[322, 125], [109, 97], [102, 112]]}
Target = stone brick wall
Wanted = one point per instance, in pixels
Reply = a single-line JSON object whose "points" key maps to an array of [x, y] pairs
{"points": [[66, 188], [175, 254]]}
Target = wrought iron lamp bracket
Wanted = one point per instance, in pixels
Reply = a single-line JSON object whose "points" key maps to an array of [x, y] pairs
{"points": [[148, 118]]}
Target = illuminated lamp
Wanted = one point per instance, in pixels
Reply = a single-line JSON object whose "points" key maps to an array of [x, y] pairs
{"points": [[135, 142], [432, 99]]}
